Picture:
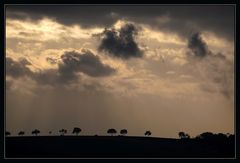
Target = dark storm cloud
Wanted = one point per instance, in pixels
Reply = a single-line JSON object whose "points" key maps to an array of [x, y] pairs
{"points": [[184, 20], [17, 69], [199, 48], [87, 16], [120, 43], [85, 62], [72, 63], [219, 69], [197, 45]]}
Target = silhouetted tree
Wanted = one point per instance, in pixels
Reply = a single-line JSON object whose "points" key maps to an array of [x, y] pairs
{"points": [[123, 131], [21, 133], [76, 130], [63, 131], [207, 136], [35, 132], [148, 133], [111, 131], [183, 135], [215, 138], [228, 134], [231, 136], [221, 137], [7, 133], [198, 137], [187, 136]]}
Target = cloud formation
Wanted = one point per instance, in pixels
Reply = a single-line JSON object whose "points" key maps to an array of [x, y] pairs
{"points": [[197, 45], [120, 43], [182, 19], [215, 65], [85, 62], [17, 69], [71, 64]]}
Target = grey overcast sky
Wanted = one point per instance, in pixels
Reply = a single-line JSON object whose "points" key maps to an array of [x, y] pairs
{"points": [[166, 68]]}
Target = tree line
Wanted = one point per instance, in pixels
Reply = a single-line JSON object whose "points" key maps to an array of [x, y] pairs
{"points": [[77, 130], [182, 135]]}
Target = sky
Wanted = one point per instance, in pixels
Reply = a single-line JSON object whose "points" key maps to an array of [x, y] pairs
{"points": [[163, 68]]}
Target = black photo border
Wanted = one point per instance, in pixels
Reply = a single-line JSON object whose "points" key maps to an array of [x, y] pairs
{"points": [[116, 2]]}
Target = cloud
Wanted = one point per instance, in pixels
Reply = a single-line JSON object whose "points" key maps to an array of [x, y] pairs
{"points": [[72, 15], [180, 19], [85, 62], [49, 77], [120, 43], [197, 45], [17, 69], [215, 66], [71, 64]]}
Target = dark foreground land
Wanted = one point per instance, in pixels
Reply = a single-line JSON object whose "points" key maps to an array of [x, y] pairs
{"points": [[114, 147]]}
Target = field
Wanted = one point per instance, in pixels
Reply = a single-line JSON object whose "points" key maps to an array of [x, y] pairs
{"points": [[114, 147]]}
